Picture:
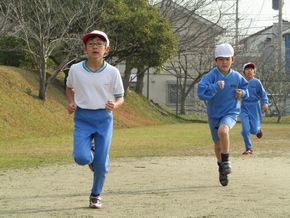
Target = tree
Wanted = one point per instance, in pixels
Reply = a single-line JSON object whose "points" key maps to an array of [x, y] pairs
{"points": [[9, 54], [277, 86], [159, 45], [52, 29], [47, 25], [188, 74], [197, 38], [141, 36]]}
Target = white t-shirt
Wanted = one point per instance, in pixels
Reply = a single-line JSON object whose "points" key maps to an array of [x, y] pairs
{"points": [[92, 90]]}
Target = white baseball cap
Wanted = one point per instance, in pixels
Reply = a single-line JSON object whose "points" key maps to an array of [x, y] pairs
{"points": [[224, 50], [97, 33]]}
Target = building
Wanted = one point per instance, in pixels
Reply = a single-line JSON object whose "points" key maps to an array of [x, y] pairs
{"points": [[262, 46]]}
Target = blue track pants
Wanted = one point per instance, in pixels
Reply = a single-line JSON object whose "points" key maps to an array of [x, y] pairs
{"points": [[97, 125], [251, 118]]}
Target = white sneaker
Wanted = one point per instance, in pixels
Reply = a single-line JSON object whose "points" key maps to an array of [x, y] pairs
{"points": [[95, 202]]}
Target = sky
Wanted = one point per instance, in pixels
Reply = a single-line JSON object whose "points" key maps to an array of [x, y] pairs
{"points": [[258, 14], [254, 15]]}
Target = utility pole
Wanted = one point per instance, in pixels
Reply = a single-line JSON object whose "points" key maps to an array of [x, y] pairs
{"points": [[148, 83], [280, 38], [177, 96], [237, 25], [281, 65]]}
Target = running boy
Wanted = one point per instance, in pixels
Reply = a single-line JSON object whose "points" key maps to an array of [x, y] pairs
{"points": [[222, 88], [94, 90], [251, 114]]}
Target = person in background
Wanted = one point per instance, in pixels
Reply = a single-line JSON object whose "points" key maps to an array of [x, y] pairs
{"points": [[251, 113], [222, 88], [94, 90]]}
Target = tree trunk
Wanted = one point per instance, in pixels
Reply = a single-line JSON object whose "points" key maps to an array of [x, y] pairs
{"points": [[42, 80], [65, 77], [127, 76], [279, 118], [182, 103], [140, 80], [42, 89], [183, 87]]}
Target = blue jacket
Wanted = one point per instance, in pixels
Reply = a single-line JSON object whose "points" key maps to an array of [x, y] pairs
{"points": [[256, 92], [222, 102]]}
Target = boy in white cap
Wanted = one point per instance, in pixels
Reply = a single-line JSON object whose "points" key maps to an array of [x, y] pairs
{"points": [[94, 90], [251, 114], [222, 88]]}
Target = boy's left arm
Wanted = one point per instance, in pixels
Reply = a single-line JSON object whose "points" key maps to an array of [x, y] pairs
{"points": [[264, 98], [112, 105]]}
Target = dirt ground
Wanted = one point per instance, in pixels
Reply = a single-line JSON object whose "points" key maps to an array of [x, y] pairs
{"points": [[152, 187]]}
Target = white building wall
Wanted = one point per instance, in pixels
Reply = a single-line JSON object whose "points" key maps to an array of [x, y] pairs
{"points": [[158, 84]]}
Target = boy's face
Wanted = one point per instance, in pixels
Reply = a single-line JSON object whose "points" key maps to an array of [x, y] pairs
{"points": [[249, 73], [96, 48], [224, 63]]}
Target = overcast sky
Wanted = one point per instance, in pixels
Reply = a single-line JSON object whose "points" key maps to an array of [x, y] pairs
{"points": [[259, 14]]}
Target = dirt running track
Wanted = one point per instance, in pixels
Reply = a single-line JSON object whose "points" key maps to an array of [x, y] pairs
{"points": [[152, 187]]}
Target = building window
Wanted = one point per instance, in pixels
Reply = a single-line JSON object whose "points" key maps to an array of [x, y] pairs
{"points": [[172, 95]]}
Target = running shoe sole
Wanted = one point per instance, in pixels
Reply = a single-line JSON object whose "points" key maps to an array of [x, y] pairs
{"points": [[248, 152], [259, 134], [223, 179]]}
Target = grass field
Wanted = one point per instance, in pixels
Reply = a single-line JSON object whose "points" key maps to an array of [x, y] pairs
{"points": [[35, 132], [162, 140]]}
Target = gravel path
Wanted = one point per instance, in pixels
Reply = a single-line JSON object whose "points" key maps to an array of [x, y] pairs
{"points": [[152, 187]]}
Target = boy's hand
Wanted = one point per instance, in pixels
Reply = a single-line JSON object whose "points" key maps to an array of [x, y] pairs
{"points": [[265, 107], [110, 105], [221, 84], [71, 107], [239, 93]]}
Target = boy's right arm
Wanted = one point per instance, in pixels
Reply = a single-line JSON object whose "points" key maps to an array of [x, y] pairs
{"points": [[207, 90], [71, 107]]}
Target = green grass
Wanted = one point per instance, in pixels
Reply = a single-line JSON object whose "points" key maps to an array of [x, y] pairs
{"points": [[35, 151], [35, 133], [23, 115], [194, 139], [162, 140]]}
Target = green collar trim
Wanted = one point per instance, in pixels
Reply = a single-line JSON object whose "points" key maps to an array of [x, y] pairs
{"points": [[100, 69], [224, 75]]}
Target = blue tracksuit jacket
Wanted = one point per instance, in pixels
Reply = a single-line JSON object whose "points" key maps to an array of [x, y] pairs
{"points": [[222, 102], [251, 114]]}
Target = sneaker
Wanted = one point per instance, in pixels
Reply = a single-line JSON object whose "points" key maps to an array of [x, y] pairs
{"points": [[248, 151], [95, 202], [259, 134], [92, 155], [93, 147], [223, 178], [226, 167]]}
